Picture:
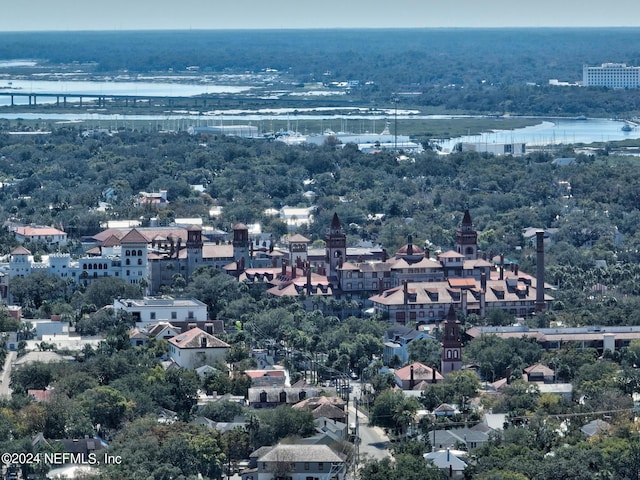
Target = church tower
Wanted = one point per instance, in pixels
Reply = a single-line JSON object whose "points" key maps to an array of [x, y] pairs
{"points": [[336, 241], [241, 246], [467, 238], [194, 249], [451, 360]]}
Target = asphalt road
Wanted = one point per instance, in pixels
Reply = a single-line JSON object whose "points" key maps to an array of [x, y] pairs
{"points": [[5, 377], [373, 441]]}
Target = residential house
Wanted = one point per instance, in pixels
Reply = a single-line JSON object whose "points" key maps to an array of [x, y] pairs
{"points": [[458, 438], [596, 427], [195, 348], [267, 378], [450, 463], [268, 397], [138, 338], [408, 377], [397, 340], [539, 373], [298, 462], [332, 408]]}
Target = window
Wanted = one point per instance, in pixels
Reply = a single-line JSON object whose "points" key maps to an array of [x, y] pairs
{"points": [[152, 315], [306, 465], [320, 466], [174, 315]]}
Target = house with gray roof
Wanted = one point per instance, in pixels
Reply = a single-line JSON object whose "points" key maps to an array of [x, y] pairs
{"points": [[448, 462], [458, 438], [297, 462]]}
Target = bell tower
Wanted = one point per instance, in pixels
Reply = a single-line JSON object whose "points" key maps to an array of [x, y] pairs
{"points": [[336, 242], [451, 360], [467, 238], [241, 246]]}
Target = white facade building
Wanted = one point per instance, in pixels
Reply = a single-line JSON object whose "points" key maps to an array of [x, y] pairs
{"points": [[195, 348], [149, 310], [612, 75]]}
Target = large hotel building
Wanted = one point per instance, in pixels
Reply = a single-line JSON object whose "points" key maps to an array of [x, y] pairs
{"points": [[612, 75]]}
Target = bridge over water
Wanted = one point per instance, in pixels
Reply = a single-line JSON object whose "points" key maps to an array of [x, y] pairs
{"points": [[101, 99]]}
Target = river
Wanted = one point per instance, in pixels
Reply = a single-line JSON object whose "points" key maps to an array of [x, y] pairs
{"points": [[550, 131]]}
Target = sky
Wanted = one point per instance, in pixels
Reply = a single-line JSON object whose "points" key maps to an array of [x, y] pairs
{"points": [[69, 15]]}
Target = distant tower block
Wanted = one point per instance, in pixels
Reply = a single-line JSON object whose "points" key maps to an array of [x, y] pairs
{"points": [[467, 238], [451, 360]]}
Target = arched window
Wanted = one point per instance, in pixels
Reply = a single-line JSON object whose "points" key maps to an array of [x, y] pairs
{"points": [[283, 397], [90, 267], [455, 354], [133, 253], [139, 261], [448, 353], [263, 397], [139, 253], [127, 253]]}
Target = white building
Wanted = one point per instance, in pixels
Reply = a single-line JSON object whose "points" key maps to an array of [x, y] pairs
{"points": [[149, 310], [49, 235], [515, 149], [195, 348], [612, 75]]}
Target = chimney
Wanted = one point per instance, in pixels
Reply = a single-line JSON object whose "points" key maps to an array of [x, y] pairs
{"points": [[540, 305], [427, 253], [283, 271], [502, 266], [411, 378], [483, 304], [294, 271], [483, 281], [463, 301], [308, 280], [405, 290], [516, 268]]}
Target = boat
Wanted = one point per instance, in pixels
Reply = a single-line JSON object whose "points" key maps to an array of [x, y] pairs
{"points": [[581, 117], [626, 127]]}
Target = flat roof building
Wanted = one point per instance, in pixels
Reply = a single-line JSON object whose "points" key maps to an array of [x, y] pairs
{"points": [[612, 75]]}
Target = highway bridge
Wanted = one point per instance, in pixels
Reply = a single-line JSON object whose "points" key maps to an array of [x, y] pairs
{"points": [[102, 99]]}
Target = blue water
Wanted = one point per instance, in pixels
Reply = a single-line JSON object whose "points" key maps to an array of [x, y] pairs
{"points": [[554, 132], [547, 132]]}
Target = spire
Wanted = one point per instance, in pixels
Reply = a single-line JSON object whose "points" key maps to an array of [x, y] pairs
{"points": [[336, 226], [451, 316], [466, 219]]}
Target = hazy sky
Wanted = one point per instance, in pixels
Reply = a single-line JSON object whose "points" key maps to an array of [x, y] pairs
{"points": [[252, 14]]}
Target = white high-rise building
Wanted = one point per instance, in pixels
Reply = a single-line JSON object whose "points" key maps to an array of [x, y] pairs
{"points": [[612, 75]]}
